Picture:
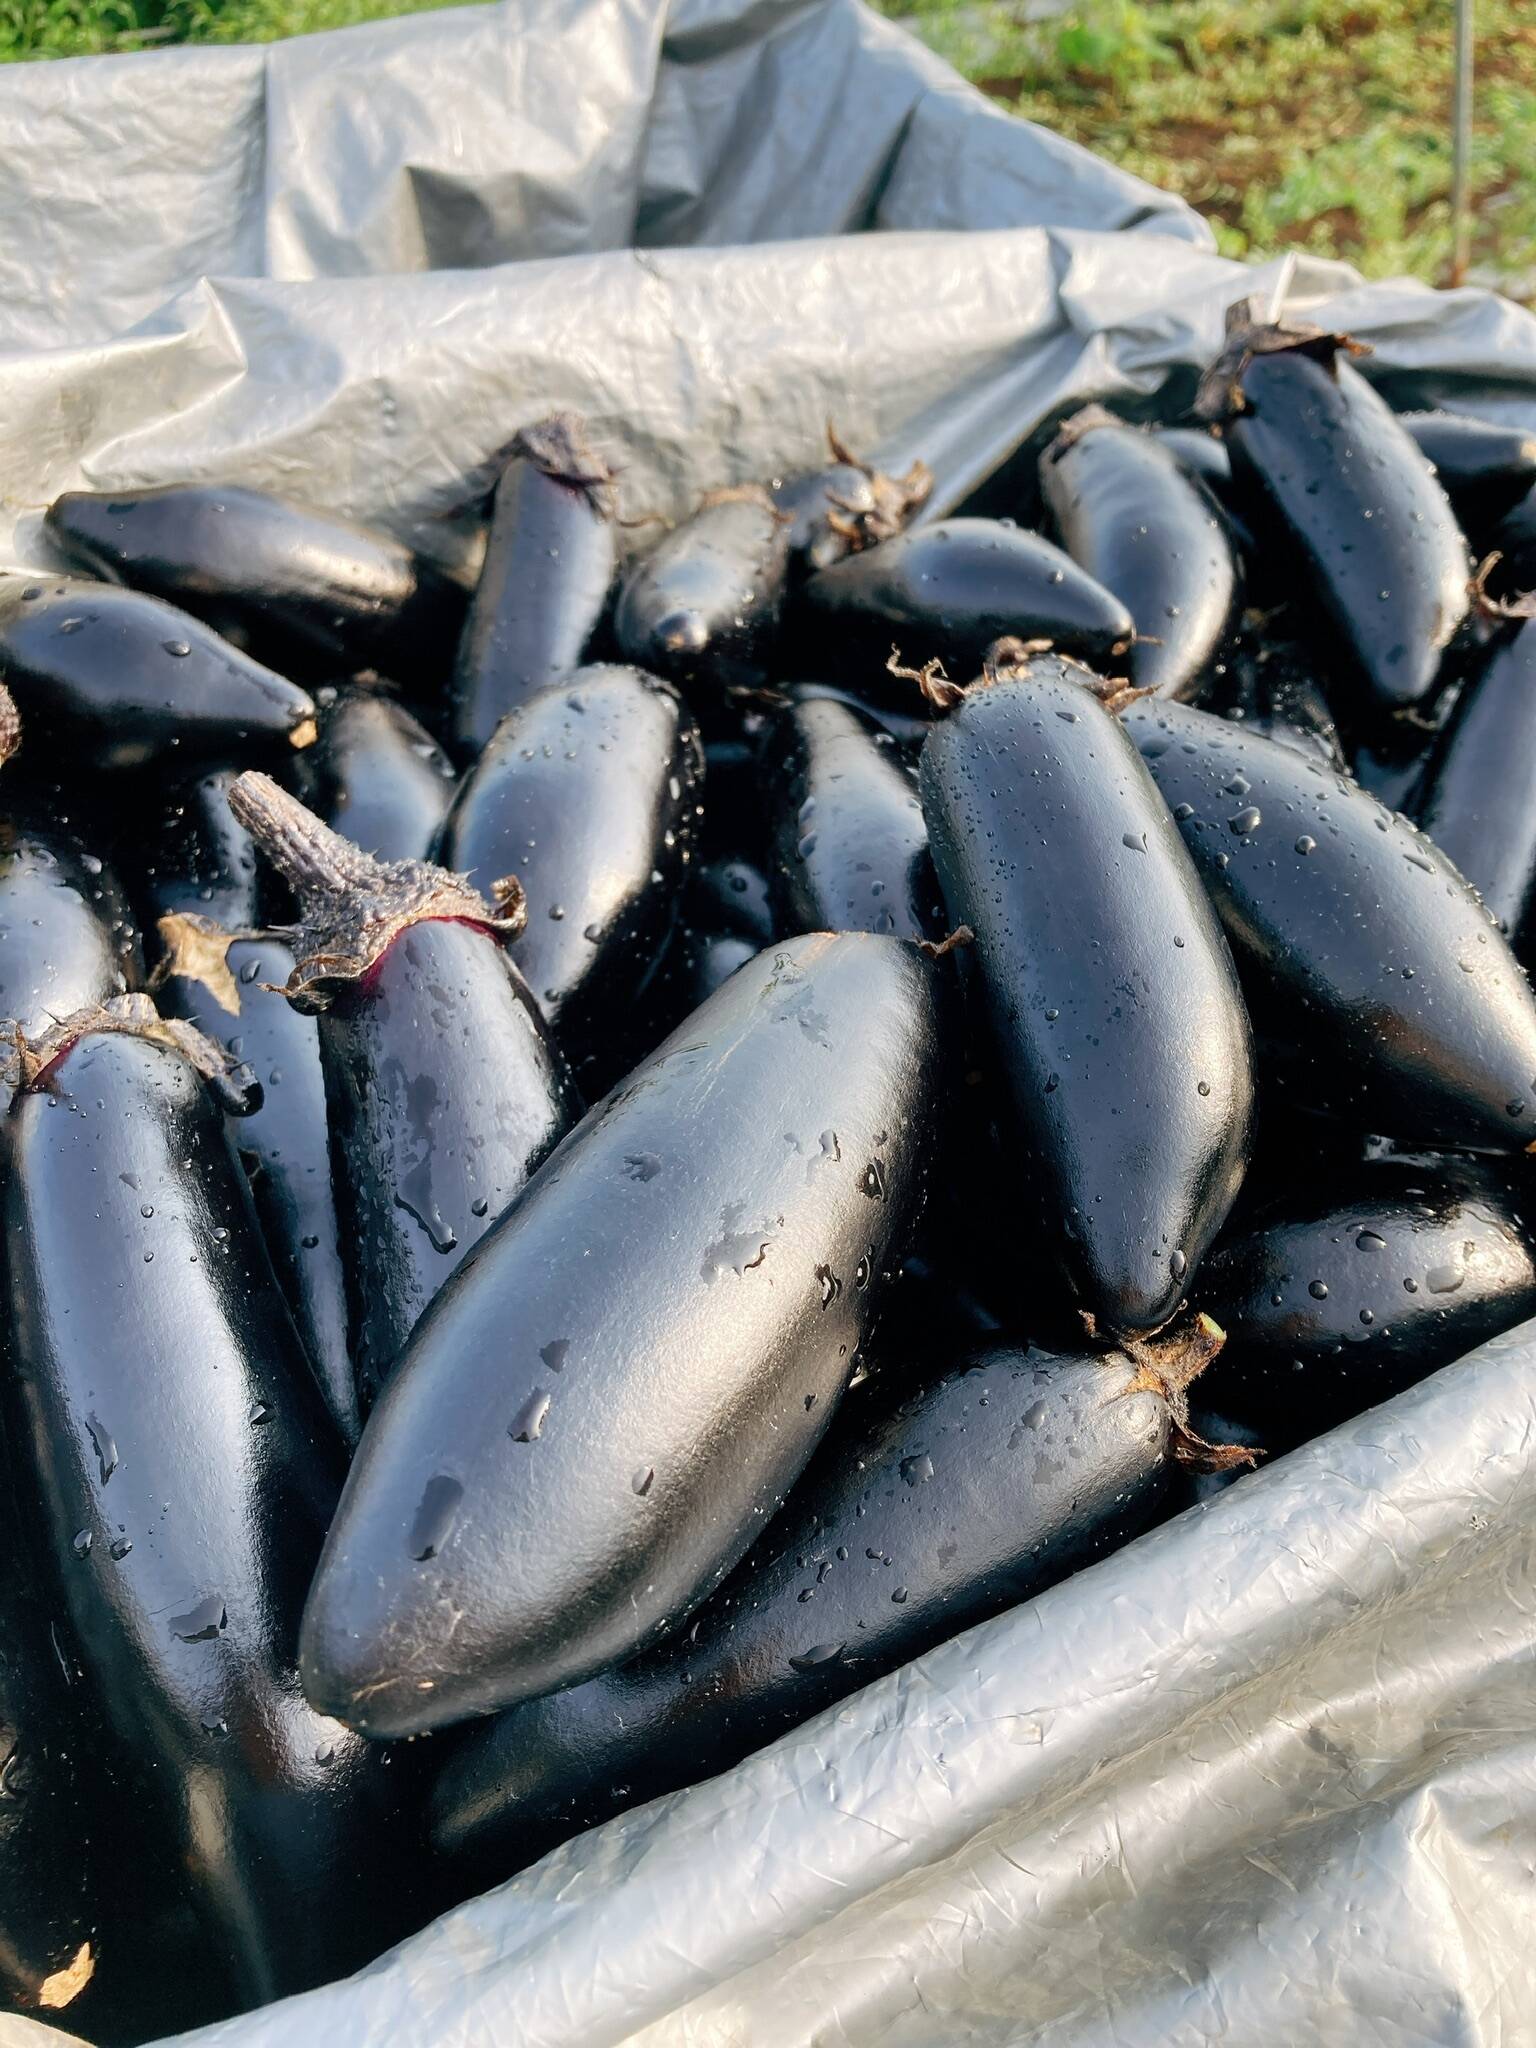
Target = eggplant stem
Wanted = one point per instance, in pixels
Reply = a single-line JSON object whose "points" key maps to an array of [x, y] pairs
{"points": [[1520, 606], [1221, 396], [930, 679], [936, 949], [1085, 421], [133, 1016], [896, 497], [197, 949], [559, 447], [1168, 1362]]}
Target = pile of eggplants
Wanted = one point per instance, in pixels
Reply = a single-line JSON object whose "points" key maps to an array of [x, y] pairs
{"points": [[610, 1155]]}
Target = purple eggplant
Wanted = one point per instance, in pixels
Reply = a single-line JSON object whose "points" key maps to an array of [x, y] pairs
{"points": [[377, 776], [1270, 686]]}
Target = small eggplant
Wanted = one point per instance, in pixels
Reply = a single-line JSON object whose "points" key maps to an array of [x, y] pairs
{"points": [[303, 590], [1333, 1306], [195, 861], [703, 607], [846, 508], [922, 1515], [1355, 500], [1478, 802], [230, 986], [850, 849], [443, 1088], [592, 1424], [376, 776], [1484, 469], [1270, 687], [187, 1472], [589, 794], [120, 680], [945, 592], [1200, 454], [1128, 514], [1111, 997], [549, 562], [66, 936], [1378, 974]]}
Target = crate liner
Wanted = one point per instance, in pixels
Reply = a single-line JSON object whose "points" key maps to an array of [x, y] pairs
{"points": [[1267, 1774]]}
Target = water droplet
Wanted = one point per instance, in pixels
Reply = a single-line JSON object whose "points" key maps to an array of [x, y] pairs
{"points": [[1178, 1264], [1318, 1289], [872, 1182], [103, 1445], [1183, 812], [1247, 820], [527, 1425], [861, 1273], [642, 1166], [1033, 1415], [1052, 1083], [479, 1206], [1136, 841], [258, 1413], [1370, 1241], [831, 1287], [1444, 1279], [642, 1480], [179, 648], [213, 1724], [1306, 843], [1367, 1317], [556, 912], [435, 1515], [1515, 1108], [326, 1753], [818, 1655], [1202, 1087], [81, 1545], [70, 625], [554, 1353], [899, 1595], [592, 933], [1410, 1286], [918, 1469], [118, 1549], [202, 1623]]}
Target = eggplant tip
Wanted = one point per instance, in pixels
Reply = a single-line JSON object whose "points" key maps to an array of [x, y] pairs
{"points": [[682, 633]]}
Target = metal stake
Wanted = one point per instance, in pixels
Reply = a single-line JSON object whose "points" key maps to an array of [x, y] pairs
{"points": [[1461, 163]]}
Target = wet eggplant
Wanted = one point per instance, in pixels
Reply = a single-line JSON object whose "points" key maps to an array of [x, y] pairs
{"points": [[908, 723], [303, 590], [1270, 686], [192, 859], [734, 896], [1484, 469], [1382, 984], [923, 1514], [543, 589], [589, 794], [592, 1423], [1109, 991], [1200, 454], [1128, 514], [846, 508], [1356, 503], [443, 1088], [1391, 775], [377, 776], [67, 938], [159, 1391], [118, 680], [946, 592], [850, 849], [1332, 1306]]}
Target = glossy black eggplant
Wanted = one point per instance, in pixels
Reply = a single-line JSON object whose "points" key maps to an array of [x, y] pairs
{"points": [[850, 849], [703, 607], [1138, 523], [846, 508], [1200, 454], [908, 722], [188, 858], [734, 896], [1478, 800], [1355, 502], [593, 1422], [1484, 469], [589, 794], [923, 1514], [1333, 1305], [67, 938], [945, 592], [376, 775], [1372, 968], [230, 987], [159, 1392], [543, 589], [1270, 686], [118, 680], [308, 592], [1110, 994], [1390, 774], [443, 1088]]}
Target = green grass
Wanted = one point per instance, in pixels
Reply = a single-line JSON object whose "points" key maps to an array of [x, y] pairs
{"points": [[90, 28]]}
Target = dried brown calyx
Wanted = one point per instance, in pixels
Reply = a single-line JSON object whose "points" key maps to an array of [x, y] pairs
{"points": [[1167, 1364], [1521, 606], [1085, 421], [352, 905], [1009, 661], [1221, 397], [560, 448], [893, 499], [26, 1061], [197, 949], [744, 494]]}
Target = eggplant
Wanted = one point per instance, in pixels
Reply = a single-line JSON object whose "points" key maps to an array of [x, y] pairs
{"points": [[230, 986], [907, 724], [1270, 687], [734, 896], [592, 1423], [702, 608], [158, 1390], [442, 1086], [1332, 1306], [307, 592], [1374, 969], [1351, 498], [1484, 469], [118, 680], [193, 860], [1138, 523], [67, 938], [1200, 454], [1107, 986], [850, 849], [543, 589], [945, 592], [923, 1514], [1393, 777], [589, 794], [377, 776], [1513, 540], [1478, 801], [846, 508]]}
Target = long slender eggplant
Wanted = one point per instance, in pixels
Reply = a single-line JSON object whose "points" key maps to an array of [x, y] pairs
{"points": [[850, 849], [308, 592], [230, 986], [1358, 505], [1270, 686], [908, 724], [1478, 802], [190, 858], [67, 938], [549, 562], [591, 1425], [1484, 469], [123, 681], [1200, 454], [1128, 514], [946, 592], [443, 1088], [377, 776], [589, 794], [1335, 1305], [703, 607], [922, 1515], [159, 1390], [1111, 997], [846, 508], [1371, 964]]}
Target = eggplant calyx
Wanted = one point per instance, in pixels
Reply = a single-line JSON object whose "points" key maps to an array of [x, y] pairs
{"points": [[1008, 661], [354, 906], [931, 680], [1085, 421], [28, 1060], [10, 725], [1221, 395], [1167, 1364], [745, 494], [895, 498], [1521, 606], [938, 949], [559, 447], [197, 949]]}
